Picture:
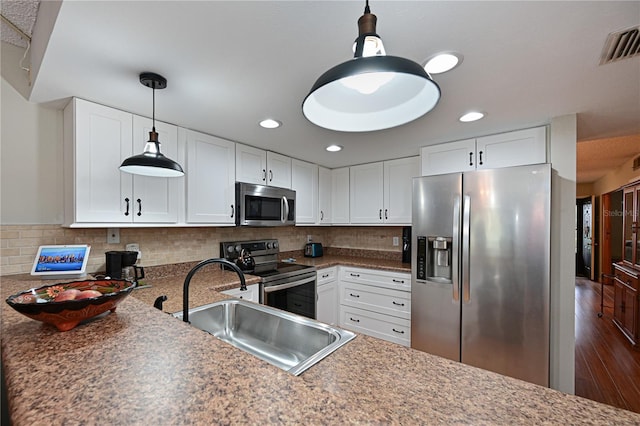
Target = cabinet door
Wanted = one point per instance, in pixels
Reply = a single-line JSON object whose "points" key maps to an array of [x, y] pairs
{"points": [[512, 149], [324, 196], [251, 165], [211, 178], [155, 198], [340, 195], [451, 157], [398, 187], [278, 170], [365, 189], [304, 180], [102, 140], [629, 226], [327, 303], [618, 302], [636, 219]]}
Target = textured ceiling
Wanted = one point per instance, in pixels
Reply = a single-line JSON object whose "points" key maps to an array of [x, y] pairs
{"points": [[230, 64], [22, 13], [596, 158]]}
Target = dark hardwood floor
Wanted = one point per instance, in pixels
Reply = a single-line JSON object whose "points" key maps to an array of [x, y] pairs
{"points": [[607, 366]]}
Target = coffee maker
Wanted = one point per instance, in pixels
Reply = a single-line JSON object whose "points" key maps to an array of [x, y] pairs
{"points": [[121, 265]]}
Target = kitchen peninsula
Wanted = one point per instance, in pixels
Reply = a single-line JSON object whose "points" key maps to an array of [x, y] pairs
{"points": [[141, 366]]}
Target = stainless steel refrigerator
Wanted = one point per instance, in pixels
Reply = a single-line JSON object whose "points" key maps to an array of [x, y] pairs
{"points": [[480, 269]]}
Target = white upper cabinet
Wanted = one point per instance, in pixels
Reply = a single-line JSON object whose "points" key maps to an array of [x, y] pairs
{"points": [[381, 192], [156, 199], [261, 167], [340, 196], [512, 149], [97, 139], [366, 193], [398, 189], [488, 152], [210, 177], [304, 180], [324, 196], [278, 170]]}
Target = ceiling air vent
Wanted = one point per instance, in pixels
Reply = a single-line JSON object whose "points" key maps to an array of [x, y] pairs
{"points": [[621, 45]]}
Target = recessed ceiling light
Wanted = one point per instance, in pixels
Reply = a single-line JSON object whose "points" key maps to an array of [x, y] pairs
{"points": [[333, 148], [270, 123], [443, 62], [471, 116]]}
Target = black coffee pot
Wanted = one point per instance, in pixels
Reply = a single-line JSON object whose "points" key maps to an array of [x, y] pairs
{"points": [[245, 261]]}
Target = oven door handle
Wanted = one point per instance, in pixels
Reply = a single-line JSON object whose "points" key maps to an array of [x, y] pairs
{"points": [[270, 289]]}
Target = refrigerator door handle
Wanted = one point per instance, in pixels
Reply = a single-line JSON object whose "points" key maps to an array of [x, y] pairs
{"points": [[466, 291], [455, 244]]}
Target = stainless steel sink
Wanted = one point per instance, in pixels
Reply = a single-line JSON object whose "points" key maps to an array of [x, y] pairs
{"points": [[288, 341]]}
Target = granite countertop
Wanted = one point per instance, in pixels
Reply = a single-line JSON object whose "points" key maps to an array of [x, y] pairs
{"points": [[141, 366]]}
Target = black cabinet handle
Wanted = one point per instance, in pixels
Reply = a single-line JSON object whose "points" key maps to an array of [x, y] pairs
{"points": [[126, 212], [321, 215], [264, 174], [355, 275], [480, 157], [397, 304], [380, 214], [270, 175], [354, 320], [471, 158], [386, 215], [325, 275], [354, 295], [139, 207], [398, 281], [232, 210], [398, 331]]}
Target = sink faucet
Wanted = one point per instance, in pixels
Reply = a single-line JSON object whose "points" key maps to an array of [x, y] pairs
{"points": [[185, 290]]}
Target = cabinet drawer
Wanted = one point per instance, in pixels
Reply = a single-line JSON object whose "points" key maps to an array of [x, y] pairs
{"points": [[392, 329], [377, 299], [326, 275], [626, 278], [386, 279]]}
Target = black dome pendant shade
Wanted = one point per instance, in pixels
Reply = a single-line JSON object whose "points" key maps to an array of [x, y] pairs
{"points": [[152, 162], [370, 92]]}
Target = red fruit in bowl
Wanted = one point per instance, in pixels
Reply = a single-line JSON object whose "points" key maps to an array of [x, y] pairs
{"points": [[86, 294], [69, 294]]}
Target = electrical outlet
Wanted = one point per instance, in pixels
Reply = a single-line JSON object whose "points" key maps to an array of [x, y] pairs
{"points": [[309, 239], [113, 235], [396, 241], [134, 247]]}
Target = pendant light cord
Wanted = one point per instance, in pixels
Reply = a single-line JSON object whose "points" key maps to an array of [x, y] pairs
{"points": [[366, 7], [153, 126]]}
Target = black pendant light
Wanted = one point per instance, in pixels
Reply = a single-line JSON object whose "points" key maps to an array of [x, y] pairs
{"points": [[372, 91], [152, 162]]}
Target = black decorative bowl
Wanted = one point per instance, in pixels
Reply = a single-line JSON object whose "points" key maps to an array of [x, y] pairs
{"points": [[66, 305]]}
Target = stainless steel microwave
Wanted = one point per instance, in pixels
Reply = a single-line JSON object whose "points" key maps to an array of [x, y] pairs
{"points": [[260, 205]]}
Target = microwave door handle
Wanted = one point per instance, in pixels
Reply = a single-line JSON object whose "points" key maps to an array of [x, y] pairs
{"points": [[285, 204], [269, 289]]}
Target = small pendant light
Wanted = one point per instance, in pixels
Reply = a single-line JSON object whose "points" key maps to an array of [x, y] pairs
{"points": [[152, 162], [372, 91]]}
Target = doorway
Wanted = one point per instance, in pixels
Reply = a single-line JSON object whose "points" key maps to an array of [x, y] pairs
{"points": [[585, 266]]}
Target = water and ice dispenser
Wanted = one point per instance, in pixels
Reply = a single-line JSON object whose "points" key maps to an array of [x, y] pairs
{"points": [[434, 258]]}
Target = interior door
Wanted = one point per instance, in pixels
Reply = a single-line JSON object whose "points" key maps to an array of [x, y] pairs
{"points": [[584, 264]]}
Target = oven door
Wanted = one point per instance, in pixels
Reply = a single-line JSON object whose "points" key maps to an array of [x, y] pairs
{"points": [[297, 295]]}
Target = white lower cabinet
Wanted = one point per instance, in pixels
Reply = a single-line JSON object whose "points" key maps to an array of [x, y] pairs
{"points": [[327, 290], [376, 303], [252, 294]]}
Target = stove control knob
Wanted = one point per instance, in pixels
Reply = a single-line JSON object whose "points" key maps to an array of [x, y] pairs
{"points": [[230, 249], [238, 248], [268, 245], [275, 244]]}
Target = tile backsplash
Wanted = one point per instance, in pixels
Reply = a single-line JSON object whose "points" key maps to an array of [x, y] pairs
{"points": [[160, 246]]}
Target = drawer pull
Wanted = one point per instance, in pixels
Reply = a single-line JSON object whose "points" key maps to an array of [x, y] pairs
{"points": [[398, 331], [325, 275], [397, 304], [354, 295], [398, 281], [354, 320], [354, 275]]}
